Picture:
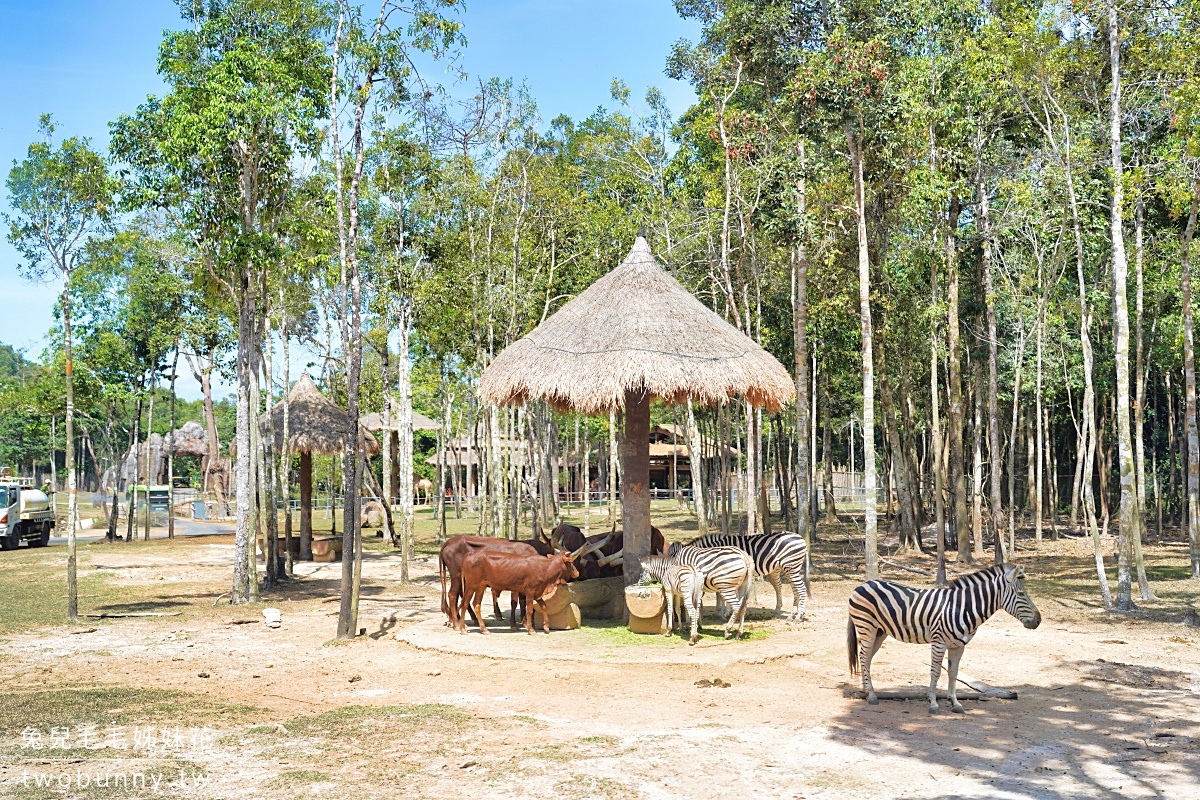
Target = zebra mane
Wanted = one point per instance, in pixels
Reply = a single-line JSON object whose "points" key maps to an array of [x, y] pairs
{"points": [[970, 577]]}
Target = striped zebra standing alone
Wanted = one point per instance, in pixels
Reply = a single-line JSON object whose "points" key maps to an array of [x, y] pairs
{"points": [[727, 571], [775, 555], [946, 618], [678, 580]]}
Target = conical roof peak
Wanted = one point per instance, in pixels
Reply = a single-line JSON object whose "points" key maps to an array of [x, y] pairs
{"points": [[635, 328]]}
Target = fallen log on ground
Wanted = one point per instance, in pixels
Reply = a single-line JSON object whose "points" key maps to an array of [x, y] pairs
{"points": [[135, 614], [977, 690]]}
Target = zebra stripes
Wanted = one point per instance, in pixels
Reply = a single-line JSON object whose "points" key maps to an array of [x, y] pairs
{"points": [[775, 555], [945, 618], [678, 580], [727, 571]]}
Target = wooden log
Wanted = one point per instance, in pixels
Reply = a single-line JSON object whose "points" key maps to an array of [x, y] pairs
{"points": [[974, 693]]}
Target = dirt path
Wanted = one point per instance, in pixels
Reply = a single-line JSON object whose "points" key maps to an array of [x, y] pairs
{"points": [[1102, 712]]}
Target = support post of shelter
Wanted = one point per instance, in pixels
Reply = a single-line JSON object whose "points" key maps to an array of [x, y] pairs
{"points": [[306, 486], [635, 482]]}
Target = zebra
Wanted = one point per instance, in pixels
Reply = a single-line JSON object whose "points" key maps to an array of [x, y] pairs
{"points": [[946, 618], [783, 554], [727, 571], [678, 580]]}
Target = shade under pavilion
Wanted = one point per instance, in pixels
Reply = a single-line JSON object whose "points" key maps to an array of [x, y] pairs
{"points": [[634, 335], [315, 425]]}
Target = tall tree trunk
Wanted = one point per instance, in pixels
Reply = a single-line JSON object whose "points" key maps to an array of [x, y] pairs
{"points": [[1040, 421], [977, 468], [1139, 404], [1018, 366], [995, 452], [696, 461], [935, 460], [907, 525], [800, 347], [1128, 524], [285, 455], [954, 411], [244, 581], [151, 473], [72, 478], [868, 357], [131, 490], [826, 447], [404, 447], [1189, 372], [171, 452]]}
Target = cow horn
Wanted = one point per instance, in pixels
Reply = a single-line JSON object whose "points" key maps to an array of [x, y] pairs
{"points": [[590, 547], [616, 557]]}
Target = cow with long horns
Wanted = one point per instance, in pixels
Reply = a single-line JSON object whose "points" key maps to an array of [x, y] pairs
{"points": [[530, 576]]}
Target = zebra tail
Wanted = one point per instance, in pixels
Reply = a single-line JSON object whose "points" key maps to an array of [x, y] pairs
{"points": [[852, 646]]}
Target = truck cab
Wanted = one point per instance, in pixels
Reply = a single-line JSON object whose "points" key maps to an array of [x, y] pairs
{"points": [[25, 515]]}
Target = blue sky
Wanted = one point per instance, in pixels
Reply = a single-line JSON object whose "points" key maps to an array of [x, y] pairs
{"points": [[88, 62]]}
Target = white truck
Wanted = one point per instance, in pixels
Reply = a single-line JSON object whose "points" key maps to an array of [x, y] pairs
{"points": [[25, 515]]}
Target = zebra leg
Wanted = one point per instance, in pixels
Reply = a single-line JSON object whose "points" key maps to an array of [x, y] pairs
{"points": [[935, 672], [868, 645], [799, 594], [955, 654], [734, 616], [670, 613], [777, 585], [694, 613]]}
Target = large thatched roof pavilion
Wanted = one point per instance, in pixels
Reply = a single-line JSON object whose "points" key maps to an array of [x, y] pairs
{"points": [[634, 335], [315, 425]]}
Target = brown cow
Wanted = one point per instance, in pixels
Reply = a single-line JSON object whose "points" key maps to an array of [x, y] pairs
{"points": [[530, 576], [450, 567]]}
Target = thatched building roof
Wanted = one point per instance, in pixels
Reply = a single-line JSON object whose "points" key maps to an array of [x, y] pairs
{"points": [[635, 328], [375, 422], [315, 424]]}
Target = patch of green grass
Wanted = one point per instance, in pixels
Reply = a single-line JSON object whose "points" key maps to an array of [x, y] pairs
{"points": [[34, 585], [613, 632], [356, 721], [299, 777], [596, 787], [117, 706], [601, 739], [528, 720]]}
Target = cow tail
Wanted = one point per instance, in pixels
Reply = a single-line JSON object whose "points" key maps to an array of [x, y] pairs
{"points": [[442, 575]]}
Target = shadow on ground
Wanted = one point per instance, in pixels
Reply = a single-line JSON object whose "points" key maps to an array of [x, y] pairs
{"points": [[1119, 730]]}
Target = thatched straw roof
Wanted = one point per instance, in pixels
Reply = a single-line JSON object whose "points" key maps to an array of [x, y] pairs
{"points": [[635, 328], [315, 425], [374, 421]]}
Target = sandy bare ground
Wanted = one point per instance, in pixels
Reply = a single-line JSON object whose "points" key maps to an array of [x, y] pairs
{"points": [[414, 710]]}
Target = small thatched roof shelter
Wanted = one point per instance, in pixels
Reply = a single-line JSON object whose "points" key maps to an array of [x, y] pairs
{"points": [[315, 425], [631, 336], [635, 328]]}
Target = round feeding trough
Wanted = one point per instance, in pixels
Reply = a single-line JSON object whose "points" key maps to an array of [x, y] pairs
{"points": [[645, 604]]}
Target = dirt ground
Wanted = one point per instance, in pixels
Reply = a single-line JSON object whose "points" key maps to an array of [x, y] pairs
{"points": [[1107, 706]]}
